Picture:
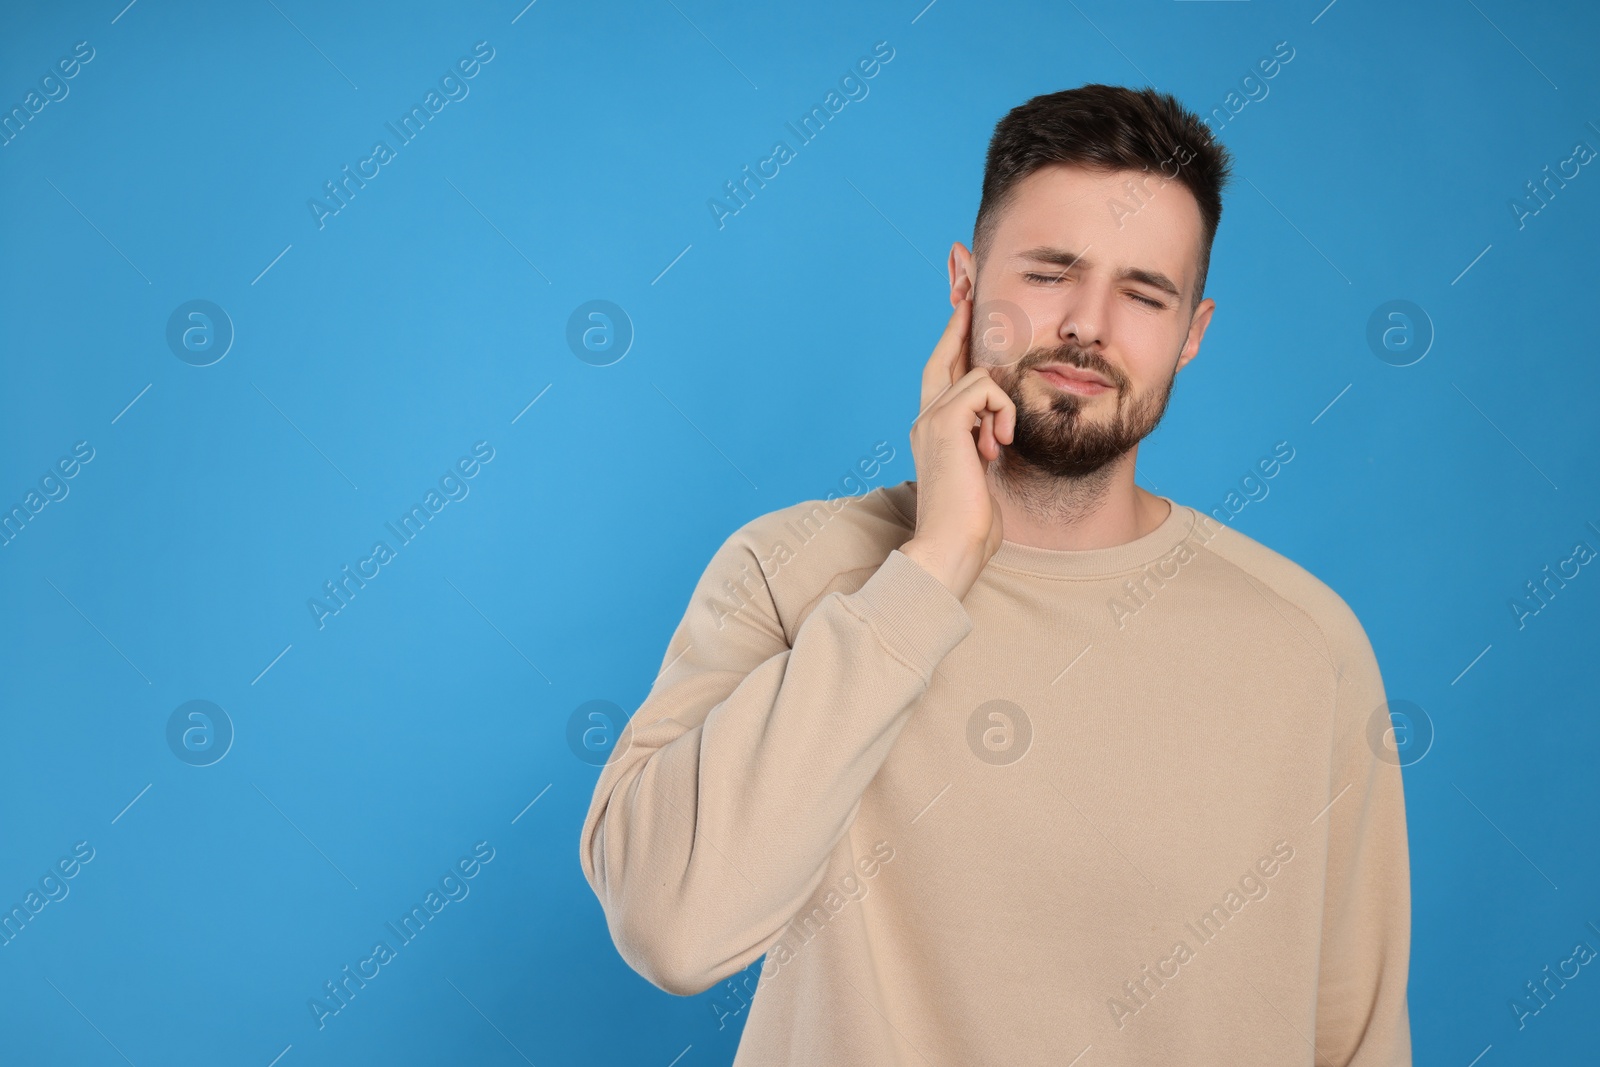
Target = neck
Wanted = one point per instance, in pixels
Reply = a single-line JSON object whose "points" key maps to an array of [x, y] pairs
{"points": [[1100, 510]]}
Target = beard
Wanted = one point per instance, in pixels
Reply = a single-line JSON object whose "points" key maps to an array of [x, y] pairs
{"points": [[1072, 437]]}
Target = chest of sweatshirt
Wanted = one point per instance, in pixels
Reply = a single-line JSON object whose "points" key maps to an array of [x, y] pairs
{"points": [[1193, 731], [1080, 789], [1102, 767]]}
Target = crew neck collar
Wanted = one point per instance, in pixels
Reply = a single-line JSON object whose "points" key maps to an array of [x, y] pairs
{"points": [[1065, 563]]}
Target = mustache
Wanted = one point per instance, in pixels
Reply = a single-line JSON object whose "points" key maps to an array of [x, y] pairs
{"points": [[994, 356], [1072, 356]]}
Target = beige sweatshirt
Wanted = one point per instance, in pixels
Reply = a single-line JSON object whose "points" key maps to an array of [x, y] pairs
{"points": [[1124, 804]]}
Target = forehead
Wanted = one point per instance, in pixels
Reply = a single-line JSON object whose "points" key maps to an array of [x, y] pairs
{"points": [[1150, 224]]}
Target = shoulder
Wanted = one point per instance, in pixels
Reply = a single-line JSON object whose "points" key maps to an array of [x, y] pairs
{"points": [[878, 519], [805, 551], [1281, 577]]}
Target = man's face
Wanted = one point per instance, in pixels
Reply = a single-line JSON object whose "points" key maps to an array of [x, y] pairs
{"points": [[1077, 277]]}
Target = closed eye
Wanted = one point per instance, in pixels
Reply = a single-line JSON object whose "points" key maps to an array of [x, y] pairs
{"points": [[1051, 279]]}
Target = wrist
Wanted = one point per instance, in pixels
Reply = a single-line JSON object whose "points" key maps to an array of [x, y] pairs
{"points": [[942, 564]]}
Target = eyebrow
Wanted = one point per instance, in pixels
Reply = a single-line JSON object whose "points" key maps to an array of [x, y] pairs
{"points": [[1067, 258]]}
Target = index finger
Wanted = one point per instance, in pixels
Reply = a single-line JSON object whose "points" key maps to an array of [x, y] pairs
{"points": [[947, 364]]}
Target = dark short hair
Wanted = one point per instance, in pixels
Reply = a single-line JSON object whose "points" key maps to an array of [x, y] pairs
{"points": [[1105, 127]]}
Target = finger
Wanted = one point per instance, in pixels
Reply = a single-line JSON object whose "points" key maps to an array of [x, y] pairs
{"points": [[968, 399], [999, 415], [961, 360], [936, 373]]}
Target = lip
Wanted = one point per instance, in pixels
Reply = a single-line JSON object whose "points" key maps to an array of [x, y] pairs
{"points": [[1073, 379]]}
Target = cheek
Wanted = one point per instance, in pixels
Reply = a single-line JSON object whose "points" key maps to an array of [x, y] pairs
{"points": [[1148, 362], [1003, 332], [1149, 340], [1041, 318]]}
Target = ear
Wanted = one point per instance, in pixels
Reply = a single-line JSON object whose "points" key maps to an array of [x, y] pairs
{"points": [[1197, 330], [963, 273]]}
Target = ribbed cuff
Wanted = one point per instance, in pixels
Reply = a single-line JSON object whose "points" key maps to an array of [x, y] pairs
{"points": [[914, 615]]}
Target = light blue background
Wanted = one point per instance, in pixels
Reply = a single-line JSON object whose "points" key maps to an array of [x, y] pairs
{"points": [[771, 357]]}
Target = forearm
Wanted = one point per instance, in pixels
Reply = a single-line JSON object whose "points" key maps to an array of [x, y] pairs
{"points": [[714, 826], [1362, 1009]]}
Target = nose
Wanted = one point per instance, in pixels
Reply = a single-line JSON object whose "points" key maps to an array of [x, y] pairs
{"points": [[1081, 329], [1086, 311]]}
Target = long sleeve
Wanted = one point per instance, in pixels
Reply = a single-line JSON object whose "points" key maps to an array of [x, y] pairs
{"points": [[746, 764], [1362, 1017]]}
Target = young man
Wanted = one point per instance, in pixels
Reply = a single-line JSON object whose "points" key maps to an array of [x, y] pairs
{"points": [[1017, 762]]}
